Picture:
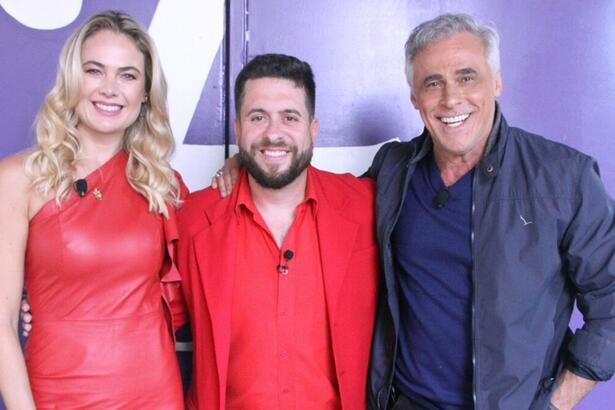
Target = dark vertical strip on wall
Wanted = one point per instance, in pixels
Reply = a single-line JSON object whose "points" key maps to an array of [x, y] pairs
{"points": [[227, 76], [246, 32]]}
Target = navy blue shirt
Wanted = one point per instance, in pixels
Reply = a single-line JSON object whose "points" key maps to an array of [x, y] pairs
{"points": [[433, 260]]}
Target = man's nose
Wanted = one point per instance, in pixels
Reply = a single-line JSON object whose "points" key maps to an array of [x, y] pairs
{"points": [[452, 94], [273, 128]]}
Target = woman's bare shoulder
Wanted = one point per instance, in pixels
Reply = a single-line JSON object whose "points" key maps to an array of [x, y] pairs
{"points": [[13, 172], [16, 186]]}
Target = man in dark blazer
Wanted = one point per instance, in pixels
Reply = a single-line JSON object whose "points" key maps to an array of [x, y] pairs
{"points": [[488, 234]]}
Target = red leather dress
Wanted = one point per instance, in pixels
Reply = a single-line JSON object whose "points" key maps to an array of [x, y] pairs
{"points": [[100, 339]]}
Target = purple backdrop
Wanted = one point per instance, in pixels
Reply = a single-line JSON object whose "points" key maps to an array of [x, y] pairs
{"points": [[30, 59], [557, 64], [558, 60]]}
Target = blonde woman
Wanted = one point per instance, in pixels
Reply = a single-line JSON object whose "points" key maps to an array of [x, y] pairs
{"points": [[87, 221]]}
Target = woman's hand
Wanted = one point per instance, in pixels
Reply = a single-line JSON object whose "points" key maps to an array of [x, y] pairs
{"points": [[225, 177]]}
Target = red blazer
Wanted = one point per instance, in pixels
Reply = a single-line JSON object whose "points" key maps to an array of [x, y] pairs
{"points": [[206, 260]]}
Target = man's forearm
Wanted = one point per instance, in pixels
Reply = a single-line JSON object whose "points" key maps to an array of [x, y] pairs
{"points": [[570, 390]]}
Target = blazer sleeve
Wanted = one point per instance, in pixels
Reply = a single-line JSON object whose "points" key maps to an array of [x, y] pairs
{"points": [[374, 168], [589, 250]]}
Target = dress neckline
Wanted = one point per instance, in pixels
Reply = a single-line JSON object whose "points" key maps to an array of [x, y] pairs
{"points": [[97, 176], [95, 179]]}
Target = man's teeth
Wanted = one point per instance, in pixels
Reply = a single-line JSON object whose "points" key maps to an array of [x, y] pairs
{"points": [[108, 108], [274, 153], [454, 121]]}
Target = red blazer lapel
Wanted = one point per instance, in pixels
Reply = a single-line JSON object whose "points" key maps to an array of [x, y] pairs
{"points": [[336, 236], [336, 239], [344, 259], [215, 249]]}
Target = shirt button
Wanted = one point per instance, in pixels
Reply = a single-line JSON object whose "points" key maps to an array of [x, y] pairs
{"points": [[285, 390], [284, 354]]}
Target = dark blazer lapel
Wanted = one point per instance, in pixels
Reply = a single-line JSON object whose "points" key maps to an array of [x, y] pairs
{"points": [[216, 248]]}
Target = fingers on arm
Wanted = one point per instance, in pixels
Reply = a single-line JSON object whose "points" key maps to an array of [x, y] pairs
{"points": [[226, 177], [231, 169]]}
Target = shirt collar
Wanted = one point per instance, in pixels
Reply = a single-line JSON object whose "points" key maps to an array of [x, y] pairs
{"points": [[244, 198], [310, 191]]}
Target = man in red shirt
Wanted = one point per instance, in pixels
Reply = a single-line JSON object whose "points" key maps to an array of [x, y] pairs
{"points": [[280, 277]]}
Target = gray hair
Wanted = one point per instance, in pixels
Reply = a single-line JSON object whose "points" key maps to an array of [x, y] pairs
{"points": [[446, 25]]}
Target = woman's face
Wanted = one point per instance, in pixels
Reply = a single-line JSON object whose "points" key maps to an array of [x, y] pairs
{"points": [[113, 86]]}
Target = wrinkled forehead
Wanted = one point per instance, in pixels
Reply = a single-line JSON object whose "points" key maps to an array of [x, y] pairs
{"points": [[461, 50]]}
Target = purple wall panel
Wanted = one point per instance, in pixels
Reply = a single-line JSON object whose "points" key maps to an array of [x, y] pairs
{"points": [[354, 49], [207, 125], [557, 63], [29, 61]]}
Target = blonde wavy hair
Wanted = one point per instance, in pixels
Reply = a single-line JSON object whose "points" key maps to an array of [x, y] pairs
{"points": [[148, 141]]}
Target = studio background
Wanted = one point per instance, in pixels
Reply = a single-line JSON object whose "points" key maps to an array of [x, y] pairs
{"points": [[558, 70]]}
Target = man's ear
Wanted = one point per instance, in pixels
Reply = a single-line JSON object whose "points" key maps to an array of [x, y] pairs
{"points": [[413, 99], [498, 84], [237, 128], [314, 129]]}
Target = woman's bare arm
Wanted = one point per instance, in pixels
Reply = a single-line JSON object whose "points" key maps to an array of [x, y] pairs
{"points": [[14, 203]]}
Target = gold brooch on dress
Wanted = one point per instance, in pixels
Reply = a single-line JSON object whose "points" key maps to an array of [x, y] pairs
{"points": [[97, 194]]}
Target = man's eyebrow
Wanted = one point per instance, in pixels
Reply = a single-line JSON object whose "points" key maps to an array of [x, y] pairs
{"points": [[292, 111], [286, 111], [256, 110], [432, 77], [466, 71]]}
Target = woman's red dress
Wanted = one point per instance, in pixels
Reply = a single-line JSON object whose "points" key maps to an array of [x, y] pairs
{"points": [[100, 339]]}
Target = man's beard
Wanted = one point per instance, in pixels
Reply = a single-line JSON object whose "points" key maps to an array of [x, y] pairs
{"points": [[299, 163]]}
